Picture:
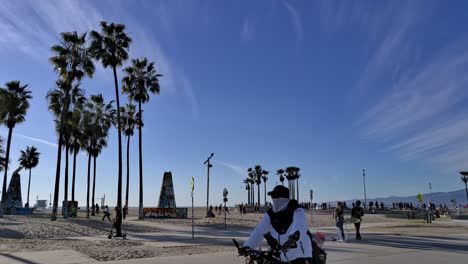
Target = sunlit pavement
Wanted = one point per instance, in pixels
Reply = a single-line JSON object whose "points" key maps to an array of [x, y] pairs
{"points": [[374, 249]]}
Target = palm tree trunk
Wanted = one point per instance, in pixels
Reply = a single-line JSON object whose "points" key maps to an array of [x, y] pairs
{"points": [[65, 194], [466, 190], [29, 185], [252, 189], [87, 189], [74, 173], [258, 192], [248, 196], [297, 190], [264, 188], [94, 182], [7, 159], [57, 179], [119, 136], [128, 171], [140, 151], [59, 157]]}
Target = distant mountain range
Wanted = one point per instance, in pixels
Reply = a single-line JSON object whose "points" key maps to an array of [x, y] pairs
{"points": [[435, 197]]}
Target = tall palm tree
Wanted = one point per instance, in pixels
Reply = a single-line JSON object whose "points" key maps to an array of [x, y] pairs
{"points": [[280, 173], [128, 122], [77, 99], [71, 61], [75, 141], [265, 178], [258, 173], [111, 48], [290, 177], [246, 181], [15, 99], [57, 98], [29, 160], [251, 178], [297, 175], [464, 179], [141, 79], [103, 119]]}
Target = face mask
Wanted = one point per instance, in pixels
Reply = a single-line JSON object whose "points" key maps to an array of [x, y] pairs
{"points": [[279, 204]]}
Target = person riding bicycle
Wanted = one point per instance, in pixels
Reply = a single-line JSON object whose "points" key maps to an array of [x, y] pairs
{"points": [[282, 221]]}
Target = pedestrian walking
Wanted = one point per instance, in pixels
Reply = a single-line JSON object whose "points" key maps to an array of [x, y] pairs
{"points": [[356, 217], [106, 214], [338, 215]]}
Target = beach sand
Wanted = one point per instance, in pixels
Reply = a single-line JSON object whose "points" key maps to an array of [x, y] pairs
{"points": [[88, 236]]}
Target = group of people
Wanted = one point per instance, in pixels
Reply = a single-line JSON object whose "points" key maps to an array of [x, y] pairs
{"points": [[402, 206], [242, 209], [356, 218], [218, 210]]}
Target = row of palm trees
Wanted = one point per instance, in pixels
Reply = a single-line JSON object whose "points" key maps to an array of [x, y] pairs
{"points": [[84, 124], [256, 175]]}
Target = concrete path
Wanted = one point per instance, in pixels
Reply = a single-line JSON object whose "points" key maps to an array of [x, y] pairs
{"points": [[374, 249]]}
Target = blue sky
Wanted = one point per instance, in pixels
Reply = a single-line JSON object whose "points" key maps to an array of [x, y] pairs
{"points": [[329, 86]]}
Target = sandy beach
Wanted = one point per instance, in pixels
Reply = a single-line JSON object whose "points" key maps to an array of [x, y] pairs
{"points": [[89, 236]]}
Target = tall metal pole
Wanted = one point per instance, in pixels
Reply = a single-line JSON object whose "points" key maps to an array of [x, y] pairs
{"points": [[208, 165], [365, 195]]}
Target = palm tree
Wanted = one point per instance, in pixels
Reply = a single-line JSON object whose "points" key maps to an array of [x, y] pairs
{"points": [[75, 140], [140, 80], [297, 175], [251, 178], [265, 178], [290, 177], [464, 178], [258, 173], [72, 62], [111, 48], [129, 119], [29, 160], [15, 100], [57, 98], [280, 173], [103, 119], [246, 181]]}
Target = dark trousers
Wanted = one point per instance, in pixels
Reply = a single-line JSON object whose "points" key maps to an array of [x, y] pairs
{"points": [[118, 228], [358, 227], [106, 215]]}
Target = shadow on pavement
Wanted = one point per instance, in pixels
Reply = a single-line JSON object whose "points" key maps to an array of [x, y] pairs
{"points": [[416, 242], [22, 260]]}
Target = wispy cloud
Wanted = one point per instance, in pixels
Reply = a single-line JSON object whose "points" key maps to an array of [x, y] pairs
{"points": [[247, 30], [51, 144], [295, 19], [415, 114], [237, 169], [31, 27]]}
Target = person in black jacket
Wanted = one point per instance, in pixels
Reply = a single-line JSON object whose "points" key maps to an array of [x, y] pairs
{"points": [[356, 217]]}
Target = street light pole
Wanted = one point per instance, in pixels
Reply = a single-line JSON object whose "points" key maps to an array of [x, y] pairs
{"points": [[365, 195], [208, 166]]}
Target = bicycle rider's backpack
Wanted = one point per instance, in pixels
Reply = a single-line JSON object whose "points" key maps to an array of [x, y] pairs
{"points": [[319, 256]]}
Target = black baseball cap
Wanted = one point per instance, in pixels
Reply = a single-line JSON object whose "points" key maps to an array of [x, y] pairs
{"points": [[279, 192]]}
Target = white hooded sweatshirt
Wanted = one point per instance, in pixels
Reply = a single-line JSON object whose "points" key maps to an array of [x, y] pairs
{"points": [[304, 245]]}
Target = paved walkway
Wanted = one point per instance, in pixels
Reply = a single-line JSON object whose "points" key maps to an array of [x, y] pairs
{"points": [[374, 249]]}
